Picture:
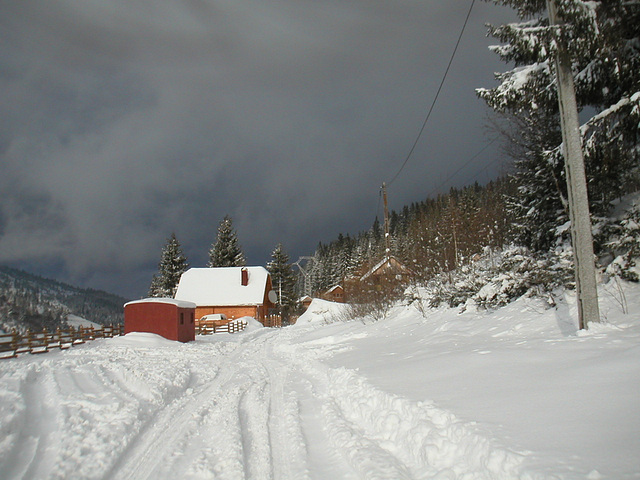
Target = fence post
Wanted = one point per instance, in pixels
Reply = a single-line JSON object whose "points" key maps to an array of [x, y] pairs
{"points": [[15, 342], [45, 339]]}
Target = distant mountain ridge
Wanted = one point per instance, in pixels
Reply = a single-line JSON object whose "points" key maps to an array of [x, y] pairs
{"points": [[34, 302]]}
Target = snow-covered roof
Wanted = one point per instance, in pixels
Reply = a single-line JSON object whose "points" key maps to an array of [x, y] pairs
{"points": [[333, 289], [387, 263], [171, 301], [222, 286]]}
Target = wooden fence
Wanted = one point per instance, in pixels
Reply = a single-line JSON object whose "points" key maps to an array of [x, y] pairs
{"points": [[14, 343], [274, 321], [210, 327]]}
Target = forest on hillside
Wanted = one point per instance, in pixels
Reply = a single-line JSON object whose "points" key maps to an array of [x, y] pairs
{"points": [[429, 237], [33, 302]]}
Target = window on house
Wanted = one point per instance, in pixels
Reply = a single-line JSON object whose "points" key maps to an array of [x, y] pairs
{"points": [[181, 318]]}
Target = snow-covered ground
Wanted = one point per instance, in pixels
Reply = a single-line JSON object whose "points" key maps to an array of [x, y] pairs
{"points": [[75, 321], [513, 393]]}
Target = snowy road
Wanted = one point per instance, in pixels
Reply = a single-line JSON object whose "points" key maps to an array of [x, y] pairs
{"points": [[254, 406], [280, 404]]}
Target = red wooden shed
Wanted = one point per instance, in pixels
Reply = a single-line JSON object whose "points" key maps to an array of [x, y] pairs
{"points": [[170, 318]]}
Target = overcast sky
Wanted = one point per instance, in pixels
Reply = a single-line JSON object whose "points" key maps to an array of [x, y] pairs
{"points": [[121, 122]]}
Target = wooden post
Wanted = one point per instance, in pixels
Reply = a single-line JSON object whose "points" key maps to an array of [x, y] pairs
{"points": [[45, 339], [581, 236], [15, 341]]}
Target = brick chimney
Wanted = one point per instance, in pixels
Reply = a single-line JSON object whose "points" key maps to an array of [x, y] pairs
{"points": [[244, 276]]}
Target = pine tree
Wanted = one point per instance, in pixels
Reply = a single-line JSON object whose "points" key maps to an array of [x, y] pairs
{"points": [[226, 251], [172, 265], [283, 279], [603, 40]]}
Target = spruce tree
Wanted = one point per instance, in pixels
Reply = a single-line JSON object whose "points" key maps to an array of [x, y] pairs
{"points": [[283, 279], [226, 251], [172, 265], [603, 41]]}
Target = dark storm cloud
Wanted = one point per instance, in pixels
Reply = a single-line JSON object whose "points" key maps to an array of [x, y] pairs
{"points": [[121, 122]]}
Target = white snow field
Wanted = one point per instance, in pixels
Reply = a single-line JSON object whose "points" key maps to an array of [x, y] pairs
{"points": [[515, 393]]}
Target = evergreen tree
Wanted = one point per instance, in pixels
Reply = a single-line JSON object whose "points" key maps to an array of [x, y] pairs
{"points": [[226, 251], [540, 198], [172, 265], [283, 279], [603, 41]]}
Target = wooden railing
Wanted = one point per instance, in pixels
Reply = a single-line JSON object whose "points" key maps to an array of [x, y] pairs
{"points": [[14, 343], [209, 327], [274, 321]]}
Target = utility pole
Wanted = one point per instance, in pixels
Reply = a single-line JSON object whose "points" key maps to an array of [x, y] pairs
{"points": [[581, 237], [387, 240], [306, 273]]}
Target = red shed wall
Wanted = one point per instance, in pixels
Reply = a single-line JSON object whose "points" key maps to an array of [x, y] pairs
{"points": [[160, 318], [186, 324]]}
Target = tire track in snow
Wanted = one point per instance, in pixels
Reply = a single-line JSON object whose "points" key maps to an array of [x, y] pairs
{"points": [[155, 444], [385, 436], [35, 449], [429, 441], [225, 423], [249, 420], [287, 444], [366, 455]]}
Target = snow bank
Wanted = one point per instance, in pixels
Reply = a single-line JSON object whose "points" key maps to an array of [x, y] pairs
{"points": [[76, 321], [142, 339], [429, 441], [525, 374], [252, 323], [323, 312]]}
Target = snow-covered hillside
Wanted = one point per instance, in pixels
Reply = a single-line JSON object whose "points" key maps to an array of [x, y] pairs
{"points": [[29, 301], [513, 393]]}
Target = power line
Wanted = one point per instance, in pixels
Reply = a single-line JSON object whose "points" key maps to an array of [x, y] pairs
{"points": [[424, 124], [464, 165], [483, 168], [474, 176]]}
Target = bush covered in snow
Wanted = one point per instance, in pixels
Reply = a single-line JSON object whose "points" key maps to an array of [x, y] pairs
{"points": [[625, 245], [497, 277]]}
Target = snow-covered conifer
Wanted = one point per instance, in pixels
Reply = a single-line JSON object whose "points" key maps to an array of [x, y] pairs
{"points": [[603, 41], [171, 267], [283, 279], [226, 251]]}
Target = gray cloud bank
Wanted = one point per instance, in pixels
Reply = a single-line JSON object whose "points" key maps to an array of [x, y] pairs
{"points": [[121, 122]]}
